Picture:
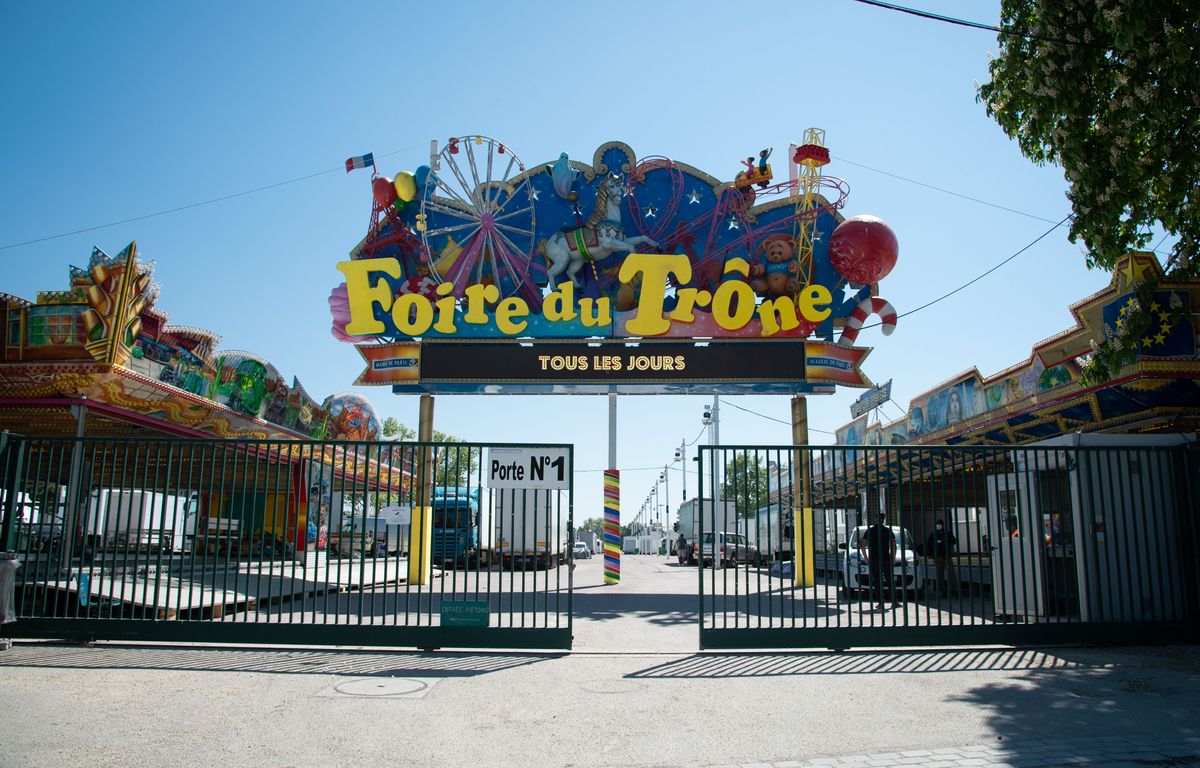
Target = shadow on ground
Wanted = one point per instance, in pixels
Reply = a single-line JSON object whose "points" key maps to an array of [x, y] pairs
{"points": [[1098, 692], [268, 661], [724, 665]]}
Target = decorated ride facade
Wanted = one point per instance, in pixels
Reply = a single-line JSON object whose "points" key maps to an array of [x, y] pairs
{"points": [[101, 360], [105, 343], [1046, 396], [480, 273]]}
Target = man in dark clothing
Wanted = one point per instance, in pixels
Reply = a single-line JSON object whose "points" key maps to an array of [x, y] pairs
{"points": [[681, 549], [878, 545], [942, 546]]}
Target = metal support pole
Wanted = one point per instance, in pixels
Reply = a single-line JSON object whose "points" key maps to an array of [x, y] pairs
{"points": [[420, 545], [612, 501], [715, 436], [803, 565]]}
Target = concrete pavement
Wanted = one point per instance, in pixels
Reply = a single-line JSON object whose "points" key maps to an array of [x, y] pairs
{"points": [[635, 693]]}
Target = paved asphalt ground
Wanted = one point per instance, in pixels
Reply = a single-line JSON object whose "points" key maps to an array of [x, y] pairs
{"points": [[633, 693]]}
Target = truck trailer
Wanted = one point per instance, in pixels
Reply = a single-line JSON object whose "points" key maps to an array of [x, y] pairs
{"points": [[531, 528], [718, 516]]}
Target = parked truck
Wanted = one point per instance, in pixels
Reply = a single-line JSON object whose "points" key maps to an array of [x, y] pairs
{"points": [[531, 528], [140, 520], [464, 528], [718, 516], [589, 539]]}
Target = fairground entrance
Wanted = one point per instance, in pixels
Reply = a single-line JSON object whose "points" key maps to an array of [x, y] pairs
{"points": [[314, 543], [938, 545]]}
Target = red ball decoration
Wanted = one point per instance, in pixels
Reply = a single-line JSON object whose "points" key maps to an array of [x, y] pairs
{"points": [[384, 190], [863, 249]]}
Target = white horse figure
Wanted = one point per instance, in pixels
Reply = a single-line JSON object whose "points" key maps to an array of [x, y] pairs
{"points": [[600, 236]]}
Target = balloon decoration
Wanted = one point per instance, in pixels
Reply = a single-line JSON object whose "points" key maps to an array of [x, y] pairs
{"points": [[406, 186], [863, 249], [384, 191]]}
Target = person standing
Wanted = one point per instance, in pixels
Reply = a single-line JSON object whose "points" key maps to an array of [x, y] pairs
{"points": [[942, 546], [878, 546], [681, 549]]}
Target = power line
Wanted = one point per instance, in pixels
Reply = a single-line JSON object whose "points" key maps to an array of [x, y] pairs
{"points": [[975, 24], [943, 190], [190, 206], [928, 304], [772, 418]]}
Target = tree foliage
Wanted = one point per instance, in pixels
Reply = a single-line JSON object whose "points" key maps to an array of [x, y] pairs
{"points": [[745, 483], [1110, 91]]}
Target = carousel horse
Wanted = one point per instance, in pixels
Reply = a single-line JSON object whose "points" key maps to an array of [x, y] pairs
{"points": [[599, 237]]}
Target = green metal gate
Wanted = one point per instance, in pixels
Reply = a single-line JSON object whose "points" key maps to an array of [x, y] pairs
{"points": [[1057, 543], [295, 542]]}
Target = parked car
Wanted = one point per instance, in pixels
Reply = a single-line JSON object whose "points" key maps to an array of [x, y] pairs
{"points": [[731, 549], [906, 572], [581, 552]]}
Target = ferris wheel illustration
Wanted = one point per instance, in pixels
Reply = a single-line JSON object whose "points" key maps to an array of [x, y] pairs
{"points": [[477, 217]]}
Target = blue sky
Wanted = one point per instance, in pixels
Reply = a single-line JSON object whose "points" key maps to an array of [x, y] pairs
{"points": [[114, 111]]}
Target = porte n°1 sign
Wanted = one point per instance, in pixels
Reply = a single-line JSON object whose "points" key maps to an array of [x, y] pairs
{"points": [[529, 468]]}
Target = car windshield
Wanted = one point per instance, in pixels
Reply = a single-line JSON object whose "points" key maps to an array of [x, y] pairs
{"points": [[903, 537], [707, 538]]}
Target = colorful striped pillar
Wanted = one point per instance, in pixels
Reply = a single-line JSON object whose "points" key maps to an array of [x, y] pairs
{"points": [[612, 526]]}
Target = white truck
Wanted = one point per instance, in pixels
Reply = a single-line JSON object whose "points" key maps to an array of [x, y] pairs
{"points": [[718, 516], [590, 540], [531, 528], [140, 520]]}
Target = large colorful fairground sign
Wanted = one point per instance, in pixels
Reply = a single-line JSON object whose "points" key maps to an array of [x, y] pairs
{"points": [[480, 273]]}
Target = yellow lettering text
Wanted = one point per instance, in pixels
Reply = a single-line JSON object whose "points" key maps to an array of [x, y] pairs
{"points": [[776, 314], [364, 296], [507, 310], [412, 314], [597, 317], [560, 304], [478, 296], [811, 298], [654, 269], [445, 309]]}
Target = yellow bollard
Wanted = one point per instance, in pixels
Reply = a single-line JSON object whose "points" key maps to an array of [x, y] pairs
{"points": [[803, 549], [420, 546]]}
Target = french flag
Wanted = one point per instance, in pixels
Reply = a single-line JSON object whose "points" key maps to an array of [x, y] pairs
{"points": [[360, 162]]}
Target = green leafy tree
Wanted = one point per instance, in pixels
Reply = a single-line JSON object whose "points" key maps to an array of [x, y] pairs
{"points": [[745, 483], [456, 464], [1109, 90], [393, 428]]}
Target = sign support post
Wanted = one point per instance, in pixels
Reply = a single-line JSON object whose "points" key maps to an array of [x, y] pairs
{"points": [[420, 549], [803, 566], [612, 501]]}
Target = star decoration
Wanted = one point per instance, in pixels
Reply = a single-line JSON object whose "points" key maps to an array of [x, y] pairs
{"points": [[849, 293], [1165, 327], [1146, 341], [694, 198], [536, 197], [1154, 306], [733, 223], [1159, 338], [650, 212], [1120, 325], [1124, 310]]}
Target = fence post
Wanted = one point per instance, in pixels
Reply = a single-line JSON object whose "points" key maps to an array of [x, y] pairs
{"points": [[12, 451], [420, 548]]}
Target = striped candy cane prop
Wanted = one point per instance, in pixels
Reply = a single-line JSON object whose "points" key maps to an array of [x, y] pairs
{"points": [[872, 305], [612, 526]]}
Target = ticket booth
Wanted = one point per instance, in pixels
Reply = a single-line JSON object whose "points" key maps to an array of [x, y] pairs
{"points": [[1086, 527]]}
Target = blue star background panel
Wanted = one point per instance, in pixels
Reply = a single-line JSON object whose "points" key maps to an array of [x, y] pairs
{"points": [[1170, 335]]}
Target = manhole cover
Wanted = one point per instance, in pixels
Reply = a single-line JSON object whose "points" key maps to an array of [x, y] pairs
{"points": [[611, 686], [381, 686]]}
